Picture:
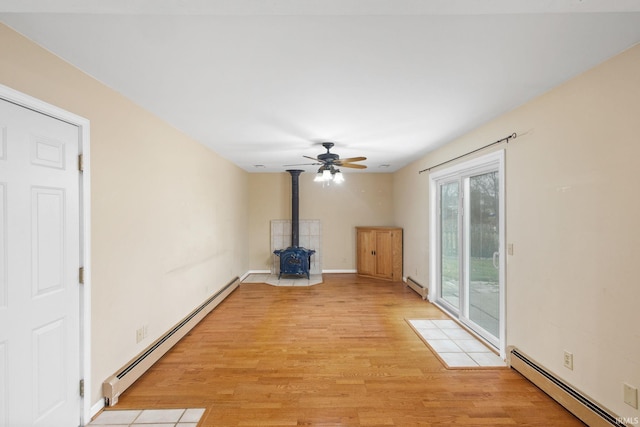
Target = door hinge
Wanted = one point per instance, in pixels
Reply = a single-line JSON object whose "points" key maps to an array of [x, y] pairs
{"points": [[80, 163], [81, 388], [81, 275]]}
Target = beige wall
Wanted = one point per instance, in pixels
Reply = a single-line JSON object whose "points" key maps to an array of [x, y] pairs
{"points": [[363, 199], [169, 216], [572, 216]]}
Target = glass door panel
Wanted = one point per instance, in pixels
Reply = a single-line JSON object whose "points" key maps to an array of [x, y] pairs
{"points": [[449, 243], [482, 302]]}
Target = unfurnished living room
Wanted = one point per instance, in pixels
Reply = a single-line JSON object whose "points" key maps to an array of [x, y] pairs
{"points": [[304, 213]]}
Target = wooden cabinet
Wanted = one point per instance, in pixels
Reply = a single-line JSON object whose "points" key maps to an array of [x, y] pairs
{"points": [[379, 252]]}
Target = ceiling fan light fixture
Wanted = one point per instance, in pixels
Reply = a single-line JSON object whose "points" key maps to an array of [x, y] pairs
{"points": [[329, 162], [328, 174]]}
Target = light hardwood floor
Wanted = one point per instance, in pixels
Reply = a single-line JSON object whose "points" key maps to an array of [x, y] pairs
{"points": [[335, 354]]}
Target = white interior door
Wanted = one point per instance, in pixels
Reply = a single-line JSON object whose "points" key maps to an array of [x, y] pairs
{"points": [[39, 261]]}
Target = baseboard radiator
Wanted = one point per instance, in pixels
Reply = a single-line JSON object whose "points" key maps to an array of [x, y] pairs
{"points": [[420, 290], [116, 384], [583, 407]]}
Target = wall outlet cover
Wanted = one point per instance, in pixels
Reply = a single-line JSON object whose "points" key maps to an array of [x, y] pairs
{"points": [[568, 360], [630, 395]]}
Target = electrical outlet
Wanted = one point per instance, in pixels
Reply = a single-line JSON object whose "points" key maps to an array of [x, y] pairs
{"points": [[568, 360], [139, 334], [630, 395]]}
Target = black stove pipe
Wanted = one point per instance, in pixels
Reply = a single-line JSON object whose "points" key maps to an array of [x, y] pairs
{"points": [[295, 202]]}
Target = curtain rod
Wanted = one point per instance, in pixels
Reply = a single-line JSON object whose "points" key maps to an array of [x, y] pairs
{"points": [[506, 138]]}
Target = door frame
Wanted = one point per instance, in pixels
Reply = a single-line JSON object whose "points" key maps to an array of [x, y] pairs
{"points": [[479, 163], [83, 125]]}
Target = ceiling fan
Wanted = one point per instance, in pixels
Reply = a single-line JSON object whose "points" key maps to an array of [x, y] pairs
{"points": [[329, 162], [332, 159]]}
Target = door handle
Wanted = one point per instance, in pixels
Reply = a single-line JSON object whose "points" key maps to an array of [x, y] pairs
{"points": [[496, 265]]}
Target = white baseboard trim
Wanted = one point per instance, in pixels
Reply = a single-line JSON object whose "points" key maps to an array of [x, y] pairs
{"points": [[95, 408], [244, 276], [340, 271]]}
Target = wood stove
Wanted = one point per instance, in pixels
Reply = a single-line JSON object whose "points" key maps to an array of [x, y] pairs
{"points": [[295, 260]]}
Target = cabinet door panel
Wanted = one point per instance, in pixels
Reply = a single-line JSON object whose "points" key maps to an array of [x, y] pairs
{"points": [[366, 248], [384, 254]]}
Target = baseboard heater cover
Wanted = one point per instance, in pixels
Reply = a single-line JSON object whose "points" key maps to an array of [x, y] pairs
{"points": [[417, 287], [116, 384], [583, 407]]}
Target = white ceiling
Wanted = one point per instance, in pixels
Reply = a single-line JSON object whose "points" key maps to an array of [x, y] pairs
{"points": [[264, 82]]}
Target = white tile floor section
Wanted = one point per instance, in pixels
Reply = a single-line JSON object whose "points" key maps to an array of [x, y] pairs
{"points": [[456, 347], [272, 279], [149, 418]]}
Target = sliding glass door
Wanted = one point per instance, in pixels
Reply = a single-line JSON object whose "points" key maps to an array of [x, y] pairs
{"points": [[467, 237]]}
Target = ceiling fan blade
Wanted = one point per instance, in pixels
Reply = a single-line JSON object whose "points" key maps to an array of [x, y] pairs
{"points": [[352, 165], [312, 158], [305, 164], [353, 159]]}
